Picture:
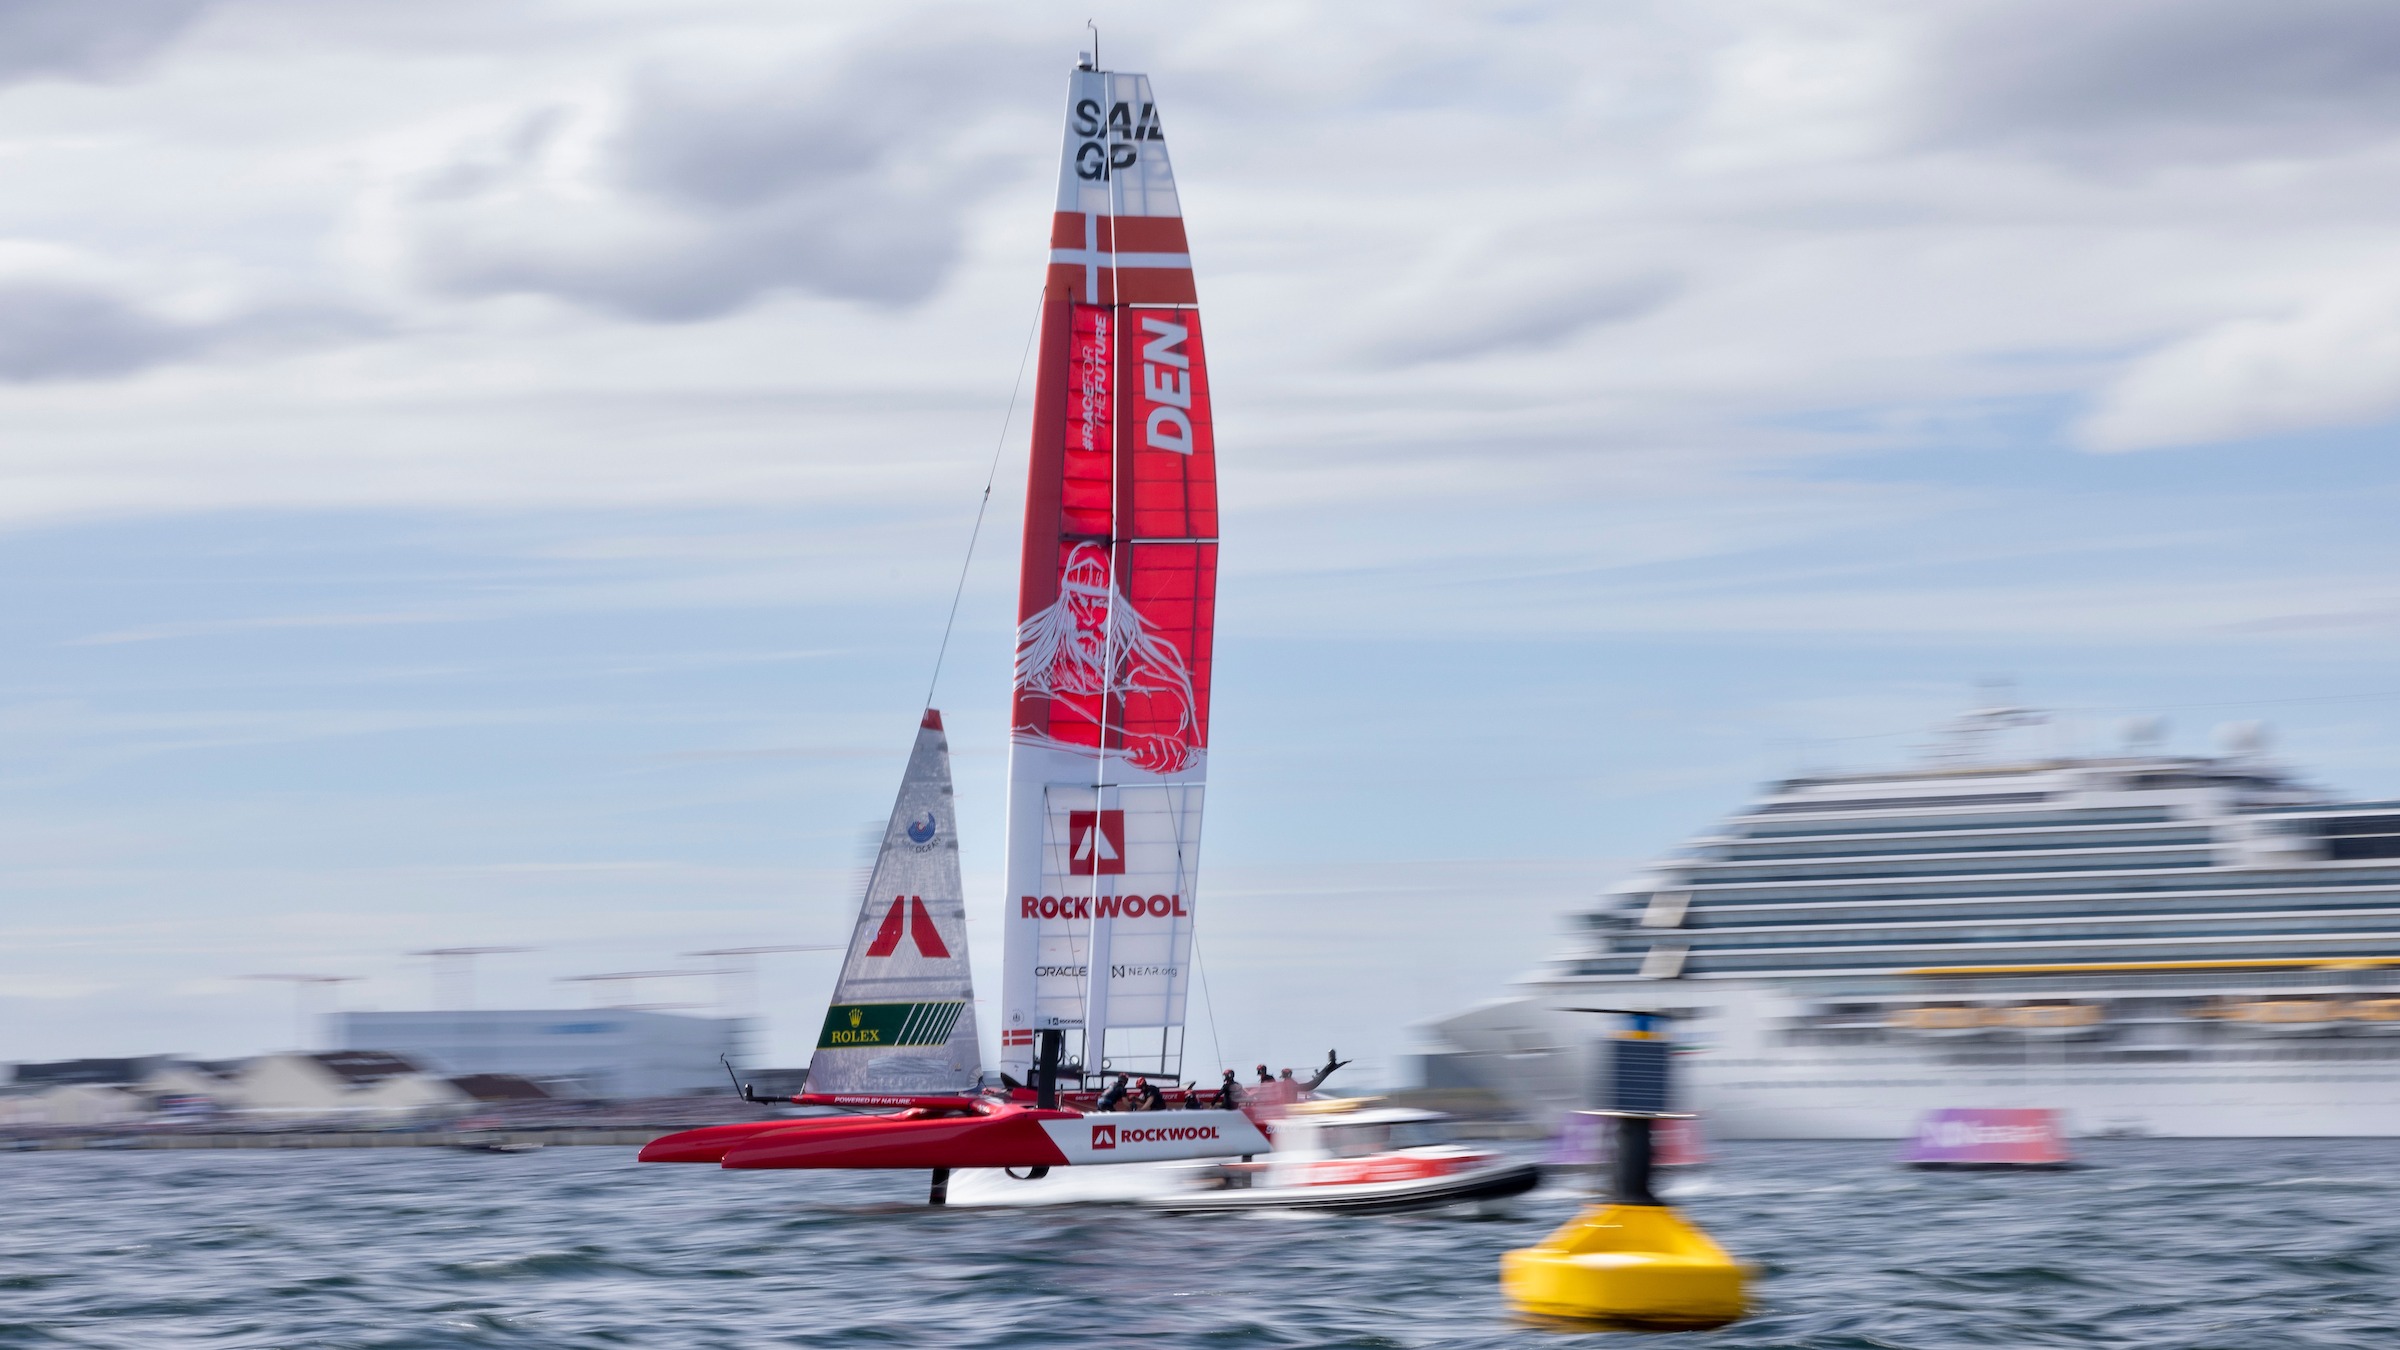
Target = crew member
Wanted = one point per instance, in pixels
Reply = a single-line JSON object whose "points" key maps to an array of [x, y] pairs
{"points": [[1114, 1098], [1264, 1077], [1229, 1094], [1332, 1062], [1147, 1097]]}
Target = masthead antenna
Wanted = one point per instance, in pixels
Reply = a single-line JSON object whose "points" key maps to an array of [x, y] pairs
{"points": [[1095, 27]]}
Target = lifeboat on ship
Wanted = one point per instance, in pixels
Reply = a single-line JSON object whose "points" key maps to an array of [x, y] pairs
{"points": [[1947, 1021], [2285, 1016], [2059, 1021]]}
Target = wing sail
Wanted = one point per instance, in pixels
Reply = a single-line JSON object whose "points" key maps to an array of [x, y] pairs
{"points": [[1116, 609], [902, 1021]]}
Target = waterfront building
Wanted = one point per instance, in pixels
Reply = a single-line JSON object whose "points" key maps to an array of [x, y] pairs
{"points": [[113, 1072], [590, 1052], [338, 1082], [69, 1104]]}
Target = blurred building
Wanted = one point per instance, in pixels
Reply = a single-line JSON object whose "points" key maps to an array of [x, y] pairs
{"points": [[97, 1072], [342, 1083], [102, 1091], [500, 1089], [70, 1104], [608, 1052], [339, 1082]]}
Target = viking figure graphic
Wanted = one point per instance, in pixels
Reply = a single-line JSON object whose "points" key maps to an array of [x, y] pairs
{"points": [[1092, 644]]}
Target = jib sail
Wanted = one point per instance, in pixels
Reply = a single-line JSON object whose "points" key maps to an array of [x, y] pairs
{"points": [[1116, 610], [902, 1022]]}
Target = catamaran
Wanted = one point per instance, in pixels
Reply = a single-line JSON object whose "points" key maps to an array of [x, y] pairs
{"points": [[1109, 743], [1108, 767]]}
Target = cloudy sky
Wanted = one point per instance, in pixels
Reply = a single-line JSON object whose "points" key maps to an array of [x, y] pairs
{"points": [[494, 472]]}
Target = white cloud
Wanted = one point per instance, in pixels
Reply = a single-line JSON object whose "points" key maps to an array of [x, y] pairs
{"points": [[791, 247], [2334, 363], [77, 40], [690, 193]]}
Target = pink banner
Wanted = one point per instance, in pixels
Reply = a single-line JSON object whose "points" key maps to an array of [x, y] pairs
{"points": [[1988, 1137]]}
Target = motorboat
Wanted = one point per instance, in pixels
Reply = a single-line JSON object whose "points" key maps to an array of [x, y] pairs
{"points": [[1353, 1155], [1337, 1155]]}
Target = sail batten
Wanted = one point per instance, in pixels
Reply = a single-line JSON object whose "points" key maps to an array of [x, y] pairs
{"points": [[1116, 608]]}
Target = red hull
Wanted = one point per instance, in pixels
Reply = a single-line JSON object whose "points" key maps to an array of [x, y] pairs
{"points": [[1002, 1136], [996, 1135], [709, 1143]]}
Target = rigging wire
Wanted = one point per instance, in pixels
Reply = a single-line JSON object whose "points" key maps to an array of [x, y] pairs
{"points": [[1206, 998], [991, 476], [1097, 1001]]}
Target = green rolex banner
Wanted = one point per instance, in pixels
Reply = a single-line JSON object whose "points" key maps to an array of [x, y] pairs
{"points": [[855, 1025]]}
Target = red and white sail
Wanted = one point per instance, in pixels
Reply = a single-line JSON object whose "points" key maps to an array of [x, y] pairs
{"points": [[1116, 609]]}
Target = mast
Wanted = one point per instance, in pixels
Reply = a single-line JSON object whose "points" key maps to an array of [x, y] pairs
{"points": [[1116, 610]]}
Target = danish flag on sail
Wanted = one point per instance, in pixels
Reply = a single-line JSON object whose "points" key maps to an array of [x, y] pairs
{"points": [[1116, 607]]}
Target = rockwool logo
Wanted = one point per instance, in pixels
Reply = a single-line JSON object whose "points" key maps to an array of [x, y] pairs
{"points": [[1161, 1134], [1107, 1136], [1095, 843]]}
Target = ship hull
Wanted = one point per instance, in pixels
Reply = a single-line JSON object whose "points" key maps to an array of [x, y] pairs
{"points": [[1881, 1097], [1753, 1063]]}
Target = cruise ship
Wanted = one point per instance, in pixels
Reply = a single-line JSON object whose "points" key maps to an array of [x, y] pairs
{"points": [[2155, 944]]}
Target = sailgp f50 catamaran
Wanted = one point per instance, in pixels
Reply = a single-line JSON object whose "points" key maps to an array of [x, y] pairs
{"points": [[1116, 612]]}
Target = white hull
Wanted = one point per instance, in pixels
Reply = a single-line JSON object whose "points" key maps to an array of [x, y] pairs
{"points": [[1484, 1189], [1178, 1186], [1750, 1079], [1880, 1096], [1111, 1184]]}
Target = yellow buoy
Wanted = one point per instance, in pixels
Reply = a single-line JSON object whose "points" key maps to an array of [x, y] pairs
{"points": [[1632, 1262], [1637, 1265]]}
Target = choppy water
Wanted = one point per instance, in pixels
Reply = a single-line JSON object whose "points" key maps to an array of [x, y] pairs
{"points": [[2241, 1245]]}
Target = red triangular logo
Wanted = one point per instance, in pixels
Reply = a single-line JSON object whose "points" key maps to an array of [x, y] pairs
{"points": [[920, 927], [887, 938]]}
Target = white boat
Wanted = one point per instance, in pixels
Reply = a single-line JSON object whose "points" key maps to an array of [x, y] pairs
{"points": [[1335, 1155], [1370, 1159]]}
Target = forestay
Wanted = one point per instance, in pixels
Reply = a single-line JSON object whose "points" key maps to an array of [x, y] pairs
{"points": [[902, 1022]]}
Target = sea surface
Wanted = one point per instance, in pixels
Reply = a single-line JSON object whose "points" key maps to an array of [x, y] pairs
{"points": [[2243, 1245]]}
